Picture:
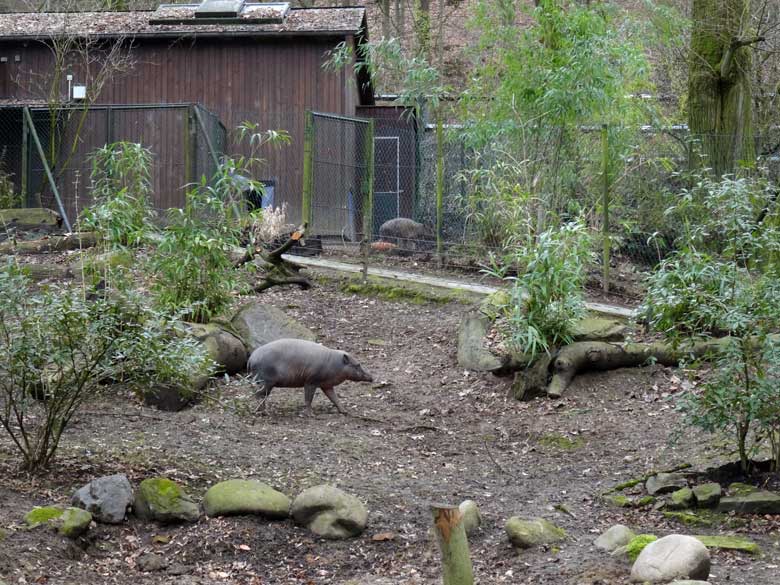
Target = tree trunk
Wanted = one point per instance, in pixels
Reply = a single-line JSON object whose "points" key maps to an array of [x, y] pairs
{"points": [[720, 104]]}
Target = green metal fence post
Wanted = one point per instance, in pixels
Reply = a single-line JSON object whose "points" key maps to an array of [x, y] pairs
{"points": [[606, 240], [308, 169], [46, 168], [439, 182], [25, 178], [368, 185]]}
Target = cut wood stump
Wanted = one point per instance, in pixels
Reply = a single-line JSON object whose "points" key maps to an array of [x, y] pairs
{"points": [[451, 535]]}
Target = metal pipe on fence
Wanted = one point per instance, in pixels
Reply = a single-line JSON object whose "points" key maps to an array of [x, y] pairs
{"points": [[308, 169], [42, 154], [439, 183]]}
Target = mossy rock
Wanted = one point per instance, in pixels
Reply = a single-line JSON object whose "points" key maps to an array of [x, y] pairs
{"points": [[238, 496], [618, 500], [74, 522], [224, 347], [561, 442], [681, 499], [42, 515], [163, 500], [644, 501], [529, 533], [707, 495], [637, 545], [599, 329], [494, 303], [691, 518], [730, 543], [741, 489]]}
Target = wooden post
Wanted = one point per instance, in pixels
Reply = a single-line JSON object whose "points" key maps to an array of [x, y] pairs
{"points": [[606, 241], [308, 170], [439, 183], [454, 546]]}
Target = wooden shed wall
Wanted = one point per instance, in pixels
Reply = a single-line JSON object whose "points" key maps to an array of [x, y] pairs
{"points": [[268, 80]]}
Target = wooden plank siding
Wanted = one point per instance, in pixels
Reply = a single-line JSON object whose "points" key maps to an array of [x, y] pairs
{"points": [[268, 80]]}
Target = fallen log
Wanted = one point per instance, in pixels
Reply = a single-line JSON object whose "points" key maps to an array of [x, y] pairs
{"points": [[49, 244], [276, 271], [600, 356]]}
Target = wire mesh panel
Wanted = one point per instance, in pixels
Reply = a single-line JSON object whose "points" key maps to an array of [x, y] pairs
{"points": [[50, 157], [341, 176]]}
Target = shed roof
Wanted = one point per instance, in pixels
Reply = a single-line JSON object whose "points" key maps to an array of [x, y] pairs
{"points": [[304, 21]]}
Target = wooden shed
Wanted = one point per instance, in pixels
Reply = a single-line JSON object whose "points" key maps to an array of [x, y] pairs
{"points": [[243, 61]]}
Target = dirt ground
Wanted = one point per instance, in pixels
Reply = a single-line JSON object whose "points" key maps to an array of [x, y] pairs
{"points": [[426, 431]]}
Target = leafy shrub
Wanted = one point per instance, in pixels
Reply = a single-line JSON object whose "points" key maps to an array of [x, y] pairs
{"points": [[546, 297], [724, 281], [57, 349], [122, 213], [193, 271]]}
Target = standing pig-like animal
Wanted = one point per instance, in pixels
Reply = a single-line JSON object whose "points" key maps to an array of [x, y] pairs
{"points": [[406, 233], [295, 363]]}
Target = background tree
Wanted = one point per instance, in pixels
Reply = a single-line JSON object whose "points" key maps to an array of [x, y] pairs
{"points": [[720, 96]]}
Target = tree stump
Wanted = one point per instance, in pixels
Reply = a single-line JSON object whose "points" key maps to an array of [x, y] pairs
{"points": [[454, 546]]}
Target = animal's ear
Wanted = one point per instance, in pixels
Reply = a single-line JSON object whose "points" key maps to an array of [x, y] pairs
{"points": [[345, 359]]}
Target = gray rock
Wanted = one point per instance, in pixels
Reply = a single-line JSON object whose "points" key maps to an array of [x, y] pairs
{"points": [[471, 516], [707, 495], [672, 557], [614, 538], [758, 502], [238, 496], [689, 582], [106, 498], [258, 323], [224, 348], [329, 512], [472, 354], [165, 501], [664, 483], [681, 499], [151, 562], [599, 329], [530, 533]]}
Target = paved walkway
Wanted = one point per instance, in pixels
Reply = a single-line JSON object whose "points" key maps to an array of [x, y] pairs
{"points": [[432, 281]]}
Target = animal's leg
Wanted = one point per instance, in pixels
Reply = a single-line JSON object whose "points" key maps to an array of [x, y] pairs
{"points": [[263, 393], [308, 393], [331, 394]]}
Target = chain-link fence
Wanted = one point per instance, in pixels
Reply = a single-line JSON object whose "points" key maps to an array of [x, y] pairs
{"points": [[45, 152]]}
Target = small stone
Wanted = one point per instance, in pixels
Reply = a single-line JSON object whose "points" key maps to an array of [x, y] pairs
{"points": [[681, 499], [618, 500], [163, 500], [179, 569], [330, 512], [74, 522], [471, 516], [238, 496], [614, 538], [664, 483], [530, 533], [106, 498], [672, 557], [757, 502], [151, 562], [707, 495]]}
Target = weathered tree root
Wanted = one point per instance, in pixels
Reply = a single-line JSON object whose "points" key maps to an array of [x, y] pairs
{"points": [[600, 356], [277, 272]]}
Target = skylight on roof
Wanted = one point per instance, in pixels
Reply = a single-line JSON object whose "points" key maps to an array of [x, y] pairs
{"points": [[219, 9]]}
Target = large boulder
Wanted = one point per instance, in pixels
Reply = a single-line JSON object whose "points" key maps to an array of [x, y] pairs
{"points": [[258, 323], [106, 498], [535, 532], [472, 353], [224, 348], [672, 557], [614, 538], [330, 512], [164, 501], [238, 496]]}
